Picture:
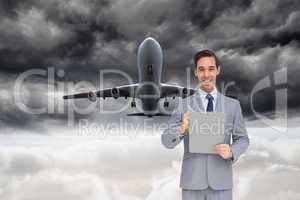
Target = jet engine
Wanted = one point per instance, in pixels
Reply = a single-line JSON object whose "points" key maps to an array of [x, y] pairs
{"points": [[185, 92], [115, 93], [92, 96]]}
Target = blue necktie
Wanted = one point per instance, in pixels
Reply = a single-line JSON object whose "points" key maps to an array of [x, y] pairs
{"points": [[210, 105]]}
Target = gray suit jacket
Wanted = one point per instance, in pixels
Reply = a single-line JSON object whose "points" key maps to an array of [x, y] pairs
{"points": [[202, 170]]}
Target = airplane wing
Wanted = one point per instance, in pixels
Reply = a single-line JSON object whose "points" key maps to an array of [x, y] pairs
{"points": [[120, 91], [175, 91]]}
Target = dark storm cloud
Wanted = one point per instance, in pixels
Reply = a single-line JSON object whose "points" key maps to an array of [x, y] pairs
{"points": [[46, 33], [41, 34], [252, 38], [203, 13]]}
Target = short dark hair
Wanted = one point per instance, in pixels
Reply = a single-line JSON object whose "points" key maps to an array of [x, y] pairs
{"points": [[205, 53]]}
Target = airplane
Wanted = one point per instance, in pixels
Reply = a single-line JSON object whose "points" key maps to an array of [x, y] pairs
{"points": [[149, 88]]}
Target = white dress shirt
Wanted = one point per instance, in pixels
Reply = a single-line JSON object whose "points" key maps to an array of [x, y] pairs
{"points": [[203, 94]]}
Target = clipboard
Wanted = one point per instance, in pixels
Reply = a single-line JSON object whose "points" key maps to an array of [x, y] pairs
{"points": [[206, 129]]}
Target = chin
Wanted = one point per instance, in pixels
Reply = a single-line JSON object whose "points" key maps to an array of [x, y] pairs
{"points": [[208, 88]]}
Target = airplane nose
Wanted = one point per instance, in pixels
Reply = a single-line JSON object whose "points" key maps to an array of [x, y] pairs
{"points": [[150, 39], [150, 42], [149, 48]]}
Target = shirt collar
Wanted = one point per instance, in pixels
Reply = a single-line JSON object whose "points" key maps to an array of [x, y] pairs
{"points": [[202, 93]]}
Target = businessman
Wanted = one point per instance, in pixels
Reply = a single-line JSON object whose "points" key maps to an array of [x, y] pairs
{"points": [[207, 176]]}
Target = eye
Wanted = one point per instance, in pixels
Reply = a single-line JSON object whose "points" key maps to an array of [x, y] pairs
{"points": [[212, 68]]}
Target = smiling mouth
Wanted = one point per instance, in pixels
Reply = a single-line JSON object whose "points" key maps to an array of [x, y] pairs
{"points": [[206, 81]]}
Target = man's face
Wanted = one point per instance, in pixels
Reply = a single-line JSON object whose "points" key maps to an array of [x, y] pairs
{"points": [[207, 72]]}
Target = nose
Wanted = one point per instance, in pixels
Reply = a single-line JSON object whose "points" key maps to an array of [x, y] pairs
{"points": [[206, 73]]}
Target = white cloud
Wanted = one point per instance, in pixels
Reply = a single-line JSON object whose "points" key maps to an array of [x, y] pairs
{"points": [[55, 184], [120, 167], [166, 189], [125, 165]]}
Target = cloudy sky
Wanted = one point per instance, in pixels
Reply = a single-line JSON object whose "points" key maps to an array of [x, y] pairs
{"points": [[44, 156]]}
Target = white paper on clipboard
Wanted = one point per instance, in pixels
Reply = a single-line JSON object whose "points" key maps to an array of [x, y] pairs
{"points": [[206, 129]]}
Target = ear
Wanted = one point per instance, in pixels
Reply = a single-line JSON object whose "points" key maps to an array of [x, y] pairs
{"points": [[219, 70], [195, 71]]}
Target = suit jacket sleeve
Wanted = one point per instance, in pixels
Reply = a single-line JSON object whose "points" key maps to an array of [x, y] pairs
{"points": [[240, 139], [171, 136]]}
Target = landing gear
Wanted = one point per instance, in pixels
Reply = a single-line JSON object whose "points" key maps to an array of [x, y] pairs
{"points": [[133, 104], [166, 104]]}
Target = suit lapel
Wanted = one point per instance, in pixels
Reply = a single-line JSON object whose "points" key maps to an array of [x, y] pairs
{"points": [[218, 102], [220, 107], [198, 103]]}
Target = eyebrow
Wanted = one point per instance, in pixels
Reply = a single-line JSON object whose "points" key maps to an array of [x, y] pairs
{"points": [[207, 66]]}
